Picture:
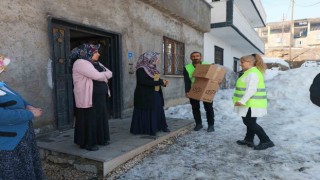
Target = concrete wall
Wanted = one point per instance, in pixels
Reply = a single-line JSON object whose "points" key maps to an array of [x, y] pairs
{"points": [[194, 13], [219, 12], [24, 38]]}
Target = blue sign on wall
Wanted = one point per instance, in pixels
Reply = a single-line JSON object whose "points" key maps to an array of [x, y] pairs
{"points": [[130, 55]]}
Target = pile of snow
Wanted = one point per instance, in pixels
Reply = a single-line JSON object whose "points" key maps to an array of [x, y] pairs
{"points": [[310, 64], [271, 73], [292, 123], [274, 60]]}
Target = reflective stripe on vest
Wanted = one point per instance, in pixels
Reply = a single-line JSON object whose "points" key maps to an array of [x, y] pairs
{"points": [[259, 99], [190, 69]]}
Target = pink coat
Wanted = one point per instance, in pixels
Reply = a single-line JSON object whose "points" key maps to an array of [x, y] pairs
{"points": [[83, 72]]}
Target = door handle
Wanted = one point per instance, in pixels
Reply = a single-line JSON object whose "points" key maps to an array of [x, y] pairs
{"points": [[61, 61]]}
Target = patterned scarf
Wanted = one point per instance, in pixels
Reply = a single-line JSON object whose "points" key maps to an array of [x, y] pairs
{"points": [[147, 61], [4, 63], [84, 51]]}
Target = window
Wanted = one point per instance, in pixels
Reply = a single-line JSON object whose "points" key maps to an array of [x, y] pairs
{"points": [[218, 55], [236, 64], [264, 32], [314, 26], [173, 57]]}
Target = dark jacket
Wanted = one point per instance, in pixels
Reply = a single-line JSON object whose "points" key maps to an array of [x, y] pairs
{"points": [[144, 93], [315, 91]]}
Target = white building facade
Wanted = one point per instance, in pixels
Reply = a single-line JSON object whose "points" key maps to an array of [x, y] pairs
{"points": [[232, 32]]}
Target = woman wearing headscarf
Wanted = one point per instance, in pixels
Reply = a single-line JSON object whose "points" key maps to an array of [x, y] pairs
{"points": [[19, 154], [148, 114], [250, 100], [90, 80]]}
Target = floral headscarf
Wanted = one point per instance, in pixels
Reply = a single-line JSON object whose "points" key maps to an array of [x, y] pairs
{"points": [[84, 51], [147, 61], [4, 62]]}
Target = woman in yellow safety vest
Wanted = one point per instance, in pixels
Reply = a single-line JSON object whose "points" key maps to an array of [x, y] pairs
{"points": [[250, 100]]}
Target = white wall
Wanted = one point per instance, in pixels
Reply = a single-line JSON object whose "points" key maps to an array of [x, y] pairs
{"points": [[229, 52], [218, 12]]}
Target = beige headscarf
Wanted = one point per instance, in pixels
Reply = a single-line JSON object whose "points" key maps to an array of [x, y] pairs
{"points": [[4, 62]]}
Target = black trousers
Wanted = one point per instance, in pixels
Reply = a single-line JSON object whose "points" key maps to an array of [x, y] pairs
{"points": [[315, 100], [254, 128], [197, 114]]}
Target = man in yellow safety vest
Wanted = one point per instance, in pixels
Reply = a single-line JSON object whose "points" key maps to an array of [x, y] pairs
{"points": [[189, 80]]}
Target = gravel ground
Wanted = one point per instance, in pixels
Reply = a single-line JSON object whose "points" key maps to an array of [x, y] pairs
{"points": [[55, 171], [64, 172]]}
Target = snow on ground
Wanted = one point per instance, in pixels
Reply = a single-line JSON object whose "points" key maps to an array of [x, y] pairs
{"points": [[292, 123]]}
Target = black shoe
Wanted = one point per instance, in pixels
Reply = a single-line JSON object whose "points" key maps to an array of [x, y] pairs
{"points": [[198, 127], [105, 143], [92, 148], [245, 142], [263, 146], [210, 128], [153, 134], [166, 130]]}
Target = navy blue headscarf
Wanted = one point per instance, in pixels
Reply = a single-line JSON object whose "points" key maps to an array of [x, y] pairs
{"points": [[84, 51]]}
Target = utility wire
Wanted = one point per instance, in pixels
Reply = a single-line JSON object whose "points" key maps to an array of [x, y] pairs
{"points": [[307, 5]]}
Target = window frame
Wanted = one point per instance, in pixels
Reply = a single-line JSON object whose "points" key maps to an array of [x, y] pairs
{"points": [[175, 69], [217, 59]]}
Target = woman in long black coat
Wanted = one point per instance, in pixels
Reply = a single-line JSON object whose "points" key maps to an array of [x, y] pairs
{"points": [[148, 114]]}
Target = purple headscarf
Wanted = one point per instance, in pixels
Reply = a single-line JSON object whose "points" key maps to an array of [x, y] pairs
{"points": [[84, 51], [147, 61]]}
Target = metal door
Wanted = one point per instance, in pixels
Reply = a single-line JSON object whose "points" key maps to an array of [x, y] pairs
{"points": [[62, 78]]}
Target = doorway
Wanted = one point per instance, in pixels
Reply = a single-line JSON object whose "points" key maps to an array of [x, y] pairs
{"points": [[64, 37]]}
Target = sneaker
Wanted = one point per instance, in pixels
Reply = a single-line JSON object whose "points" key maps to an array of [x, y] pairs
{"points": [[245, 142], [263, 146], [210, 128], [198, 127]]}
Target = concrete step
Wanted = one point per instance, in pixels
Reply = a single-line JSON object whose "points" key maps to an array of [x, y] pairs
{"points": [[58, 147]]}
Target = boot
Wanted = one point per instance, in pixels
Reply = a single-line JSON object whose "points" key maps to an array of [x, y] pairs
{"points": [[198, 127], [210, 128], [263, 146], [245, 142]]}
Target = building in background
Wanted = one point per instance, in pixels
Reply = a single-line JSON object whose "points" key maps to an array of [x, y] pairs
{"points": [[232, 33], [305, 43]]}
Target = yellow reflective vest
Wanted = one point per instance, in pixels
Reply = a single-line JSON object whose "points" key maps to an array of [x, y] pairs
{"points": [[259, 99], [190, 69]]}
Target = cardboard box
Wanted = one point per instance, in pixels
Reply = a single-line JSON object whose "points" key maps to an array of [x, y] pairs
{"points": [[209, 71], [208, 78], [204, 89]]}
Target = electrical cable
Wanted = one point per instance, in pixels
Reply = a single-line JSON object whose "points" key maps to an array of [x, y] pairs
{"points": [[307, 5]]}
